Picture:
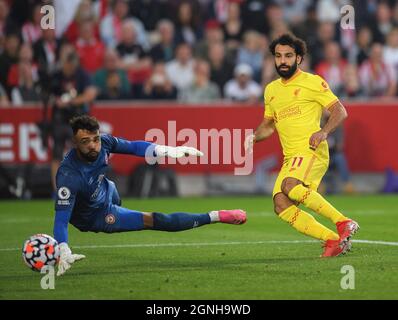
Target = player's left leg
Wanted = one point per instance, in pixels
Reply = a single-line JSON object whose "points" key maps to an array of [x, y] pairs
{"points": [[119, 219], [180, 221], [303, 190], [301, 220]]}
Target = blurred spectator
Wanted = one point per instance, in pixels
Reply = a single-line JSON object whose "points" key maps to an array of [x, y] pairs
{"points": [[383, 22], [23, 77], [26, 91], [377, 78], [253, 13], [216, 9], [364, 41], [188, 27], [351, 85], [202, 89], [275, 21], [8, 58], [4, 102], [308, 30], [45, 52], [112, 66], [84, 12], [164, 50], [159, 86], [134, 58], [73, 93], [221, 68], [7, 24], [329, 10], [390, 52], [150, 12], [326, 33], [90, 50], [295, 12], [213, 34], [25, 56], [128, 48], [242, 88], [252, 53], [142, 36], [31, 30], [332, 67], [112, 24], [114, 88], [365, 10], [233, 27], [180, 70]]}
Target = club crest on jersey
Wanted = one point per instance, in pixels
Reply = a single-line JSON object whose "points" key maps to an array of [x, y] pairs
{"points": [[110, 219], [296, 92], [64, 193]]}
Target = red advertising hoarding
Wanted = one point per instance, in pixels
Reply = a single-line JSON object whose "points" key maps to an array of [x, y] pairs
{"points": [[218, 130]]}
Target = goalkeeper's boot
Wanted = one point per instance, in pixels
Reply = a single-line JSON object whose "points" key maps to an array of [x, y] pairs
{"points": [[334, 248], [236, 216], [347, 228]]}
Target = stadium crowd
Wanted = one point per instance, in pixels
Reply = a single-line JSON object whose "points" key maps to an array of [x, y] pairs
{"points": [[194, 50]]}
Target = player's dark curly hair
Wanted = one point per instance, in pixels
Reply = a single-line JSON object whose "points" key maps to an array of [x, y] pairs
{"points": [[290, 40], [84, 122]]}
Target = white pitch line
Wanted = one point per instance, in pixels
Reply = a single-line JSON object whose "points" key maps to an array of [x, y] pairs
{"points": [[387, 243], [203, 244]]}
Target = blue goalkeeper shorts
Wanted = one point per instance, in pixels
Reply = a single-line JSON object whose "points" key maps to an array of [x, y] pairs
{"points": [[117, 218]]}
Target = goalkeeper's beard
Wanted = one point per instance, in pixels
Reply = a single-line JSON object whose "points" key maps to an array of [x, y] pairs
{"points": [[90, 156], [286, 74]]}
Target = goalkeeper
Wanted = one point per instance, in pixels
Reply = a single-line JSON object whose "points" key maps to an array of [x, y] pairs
{"points": [[90, 202]]}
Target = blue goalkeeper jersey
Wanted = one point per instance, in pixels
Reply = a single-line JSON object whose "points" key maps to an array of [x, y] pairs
{"points": [[82, 188]]}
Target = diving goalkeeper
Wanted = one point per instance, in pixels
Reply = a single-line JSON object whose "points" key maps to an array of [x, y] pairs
{"points": [[90, 202]]}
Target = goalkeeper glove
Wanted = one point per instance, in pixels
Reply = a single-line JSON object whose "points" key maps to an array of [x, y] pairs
{"points": [[66, 258], [177, 152]]}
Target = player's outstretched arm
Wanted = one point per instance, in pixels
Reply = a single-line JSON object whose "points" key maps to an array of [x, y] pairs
{"points": [[61, 235], [337, 115], [144, 148], [263, 131]]}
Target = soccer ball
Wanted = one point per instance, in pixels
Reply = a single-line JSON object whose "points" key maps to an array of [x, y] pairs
{"points": [[40, 250]]}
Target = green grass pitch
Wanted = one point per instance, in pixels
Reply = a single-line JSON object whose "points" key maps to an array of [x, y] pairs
{"points": [[258, 260]]}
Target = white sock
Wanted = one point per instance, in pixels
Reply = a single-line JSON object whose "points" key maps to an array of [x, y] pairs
{"points": [[214, 217]]}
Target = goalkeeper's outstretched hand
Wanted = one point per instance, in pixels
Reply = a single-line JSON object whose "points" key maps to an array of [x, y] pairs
{"points": [[67, 258], [177, 152]]}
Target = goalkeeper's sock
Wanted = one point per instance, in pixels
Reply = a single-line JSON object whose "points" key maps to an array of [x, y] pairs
{"points": [[306, 223], [314, 201], [179, 221]]}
